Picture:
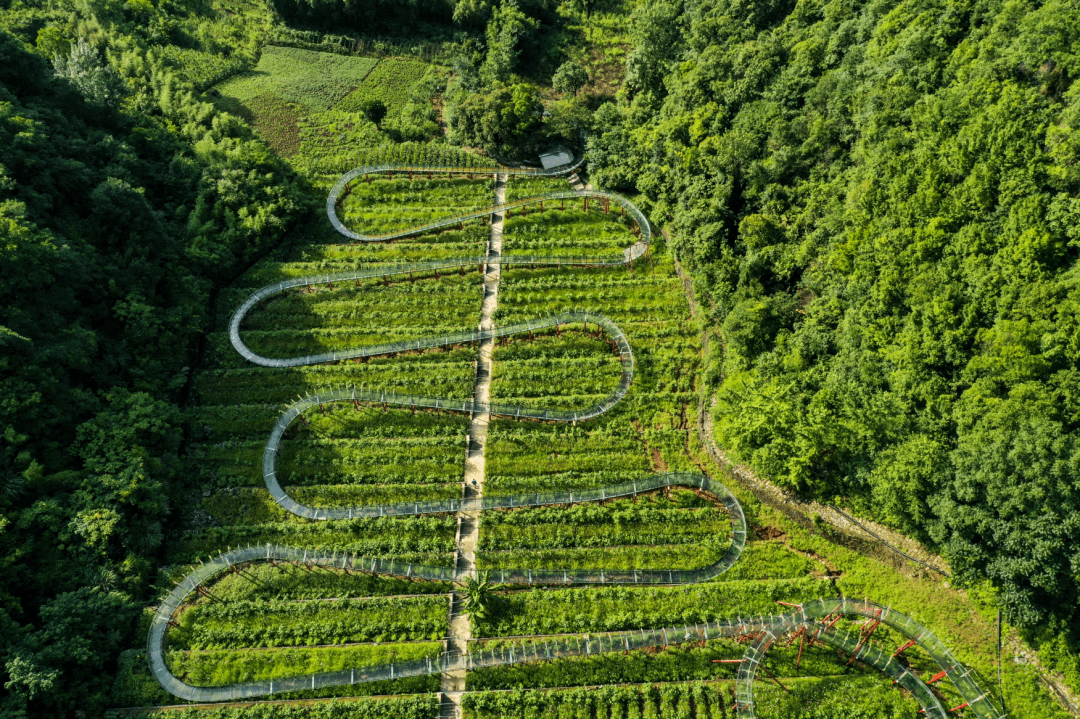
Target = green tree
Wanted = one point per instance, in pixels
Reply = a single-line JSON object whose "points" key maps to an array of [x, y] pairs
{"points": [[510, 32], [570, 77], [87, 71]]}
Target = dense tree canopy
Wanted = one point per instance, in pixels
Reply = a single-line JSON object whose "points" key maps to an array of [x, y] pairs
{"points": [[120, 211], [879, 201]]}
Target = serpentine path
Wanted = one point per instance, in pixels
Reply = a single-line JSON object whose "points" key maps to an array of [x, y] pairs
{"points": [[813, 621]]}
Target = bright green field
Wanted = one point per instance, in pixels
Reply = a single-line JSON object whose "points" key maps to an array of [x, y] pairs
{"points": [[303, 100], [317, 80]]}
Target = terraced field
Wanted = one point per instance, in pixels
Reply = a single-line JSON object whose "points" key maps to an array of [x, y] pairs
{"points": [[269, 621]]}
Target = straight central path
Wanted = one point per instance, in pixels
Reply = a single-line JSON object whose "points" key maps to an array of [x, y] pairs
{"points": [[453, 681]]}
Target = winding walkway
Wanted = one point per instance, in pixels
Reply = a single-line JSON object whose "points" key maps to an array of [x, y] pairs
{"points": [[813, 620]]}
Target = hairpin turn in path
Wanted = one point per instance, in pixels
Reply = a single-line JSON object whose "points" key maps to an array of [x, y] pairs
{"points": [[814, 620]]}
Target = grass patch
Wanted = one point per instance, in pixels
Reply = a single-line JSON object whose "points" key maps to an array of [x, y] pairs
{"points": [[316, 80]]}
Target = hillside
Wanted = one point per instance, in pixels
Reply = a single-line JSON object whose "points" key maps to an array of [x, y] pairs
{"points": [[450, 436]]}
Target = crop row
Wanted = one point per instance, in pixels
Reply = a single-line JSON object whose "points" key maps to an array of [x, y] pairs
{"points": [[253, 420], [325, 133], [284, 581], [330, 258], [297, 343], [427, 540], [570, 232], [607, 609], [385, 205], [415, 459], [677, 662], [444, 379], [220, 667], [522, 187], [235, 625], [250, 505], [675, 557], [826, 698], [454, 303], [408, 707], [578, 378]]}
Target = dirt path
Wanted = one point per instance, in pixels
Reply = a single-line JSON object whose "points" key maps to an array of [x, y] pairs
{"points": [[453, 682]]}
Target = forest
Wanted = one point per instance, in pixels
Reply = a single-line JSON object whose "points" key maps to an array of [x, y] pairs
{"points": [[879, 203], [876, 202]]}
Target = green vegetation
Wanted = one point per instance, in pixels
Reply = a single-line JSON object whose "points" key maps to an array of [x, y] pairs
{"points": [[120, 215], [418, 707], [317, 80], [817, 698], [878, 206], [875, 205], [389, 83], [201, 69], [220, 667]]}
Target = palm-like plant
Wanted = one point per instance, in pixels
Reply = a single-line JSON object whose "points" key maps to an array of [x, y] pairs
{"points": [[478, 596]]}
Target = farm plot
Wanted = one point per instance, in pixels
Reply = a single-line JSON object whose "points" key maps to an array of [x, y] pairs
{"points": [[316, 80], [335, 142], [275, 621], [415, 707], [219, 667], [389, 82], [309, 104], [278, 623], [386, 204], [563, 228], [518, 188], [653, 533], [850, 697]]}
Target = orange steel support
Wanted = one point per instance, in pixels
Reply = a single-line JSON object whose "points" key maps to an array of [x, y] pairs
{"points": [[904, 648], [866, 632], [938, 677], [958, 707]]}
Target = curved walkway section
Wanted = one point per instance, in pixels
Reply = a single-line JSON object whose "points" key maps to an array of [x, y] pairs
{"points": [[812, 618]]}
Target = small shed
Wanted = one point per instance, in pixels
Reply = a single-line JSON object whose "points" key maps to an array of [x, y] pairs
{"points": [[556, 157]]}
